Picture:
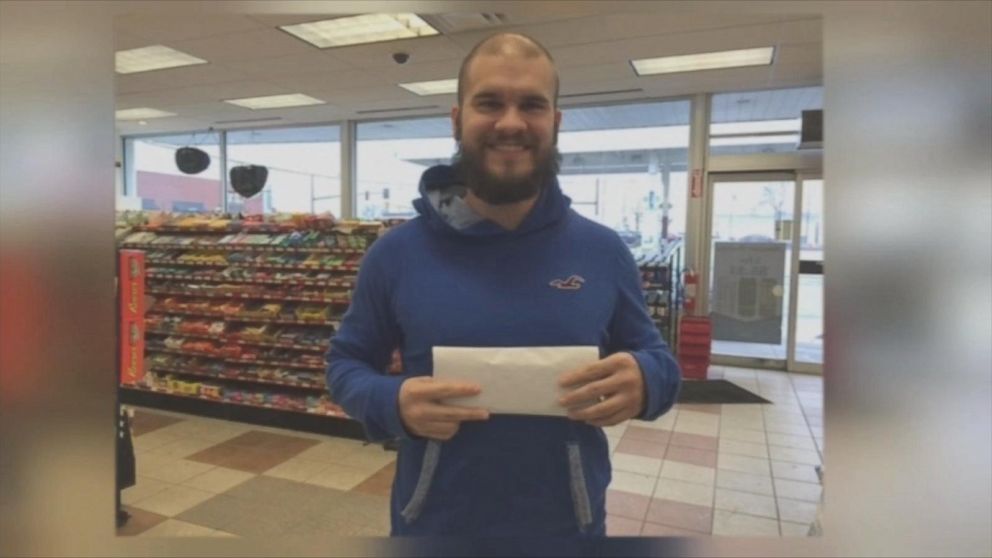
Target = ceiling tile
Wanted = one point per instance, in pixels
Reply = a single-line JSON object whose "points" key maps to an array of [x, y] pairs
{"points": [[303, 63], [430, 71], [578, 78], [205, 93], [172, 28], [161, 125], [276, 20], [333, 80], [430, 105], [378, 55], [127, 41], [175, 78], [635, 24], [259, 43], [314, 114], [212, 110], [390, 94]]}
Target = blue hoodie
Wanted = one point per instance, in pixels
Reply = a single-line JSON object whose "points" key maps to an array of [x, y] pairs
{"points": [[427, 283]]}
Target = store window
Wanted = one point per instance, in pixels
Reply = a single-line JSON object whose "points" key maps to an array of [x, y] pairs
{"points": [[303, 169], [152, 181], [625, 166], [760, 121], [391, 156]]}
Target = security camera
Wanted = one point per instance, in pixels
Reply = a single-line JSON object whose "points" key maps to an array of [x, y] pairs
{"points": [[400, 57]]}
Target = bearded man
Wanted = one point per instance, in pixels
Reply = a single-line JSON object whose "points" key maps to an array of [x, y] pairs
{"points": [[497, 258]]}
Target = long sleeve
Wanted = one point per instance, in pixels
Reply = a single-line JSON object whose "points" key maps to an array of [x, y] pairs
{"points": [[360, 351], [633, 331]]}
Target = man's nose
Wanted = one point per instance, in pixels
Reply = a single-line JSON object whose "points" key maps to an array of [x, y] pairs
{"points": [[510, 121]]}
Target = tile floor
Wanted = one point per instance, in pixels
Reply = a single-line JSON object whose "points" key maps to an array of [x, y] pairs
{"points": [[736, 470]]}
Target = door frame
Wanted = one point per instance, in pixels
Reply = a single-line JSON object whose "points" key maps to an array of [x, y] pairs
{"points": [[707, 255], [797, 176], [792, 365]]}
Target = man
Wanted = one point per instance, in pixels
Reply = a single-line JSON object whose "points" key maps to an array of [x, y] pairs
{"points": [[497, 258]]}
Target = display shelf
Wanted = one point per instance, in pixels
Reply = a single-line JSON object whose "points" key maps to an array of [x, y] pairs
{"points": [[231, 339], [256, 362], [330, 424], [221, 278], [250, 379], [242, 318], [661, 282], [250, 281], [228, 226], [253, 265], [235, 247], [247, 296]]}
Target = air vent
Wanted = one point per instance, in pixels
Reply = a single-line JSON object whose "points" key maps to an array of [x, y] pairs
{"points": [[595, 93], [812, 130], [460, 22], [248, 120], [400, 109]]}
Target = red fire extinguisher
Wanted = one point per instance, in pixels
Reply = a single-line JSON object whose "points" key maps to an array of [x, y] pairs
{"points": [[691, 284]]}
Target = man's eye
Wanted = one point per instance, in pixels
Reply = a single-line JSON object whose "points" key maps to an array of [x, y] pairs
{"points": [[487, 104]]}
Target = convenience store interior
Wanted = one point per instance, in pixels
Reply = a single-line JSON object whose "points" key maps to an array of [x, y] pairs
{"points": [[701, 161]]}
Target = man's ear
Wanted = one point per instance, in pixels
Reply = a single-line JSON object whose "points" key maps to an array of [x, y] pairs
{"points": [[456, 123], [557, 125]]}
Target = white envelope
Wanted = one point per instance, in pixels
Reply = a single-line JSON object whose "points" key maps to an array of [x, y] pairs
{"points": [[514, 380]]}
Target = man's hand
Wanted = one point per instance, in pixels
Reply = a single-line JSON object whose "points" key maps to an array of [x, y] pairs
{"points": [[424, 414], [614, 386]]}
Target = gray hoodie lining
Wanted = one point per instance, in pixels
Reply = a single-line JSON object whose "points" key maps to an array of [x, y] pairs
{"points": [[449, 202]]}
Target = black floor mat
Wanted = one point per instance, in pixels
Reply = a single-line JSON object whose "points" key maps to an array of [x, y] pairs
{"points": [[716, 392]]}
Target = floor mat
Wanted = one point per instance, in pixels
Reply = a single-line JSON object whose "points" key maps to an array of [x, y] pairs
{"points": [[716, 392]]}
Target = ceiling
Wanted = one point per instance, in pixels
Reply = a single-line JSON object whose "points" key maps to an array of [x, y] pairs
{"points": [[249, 56]]}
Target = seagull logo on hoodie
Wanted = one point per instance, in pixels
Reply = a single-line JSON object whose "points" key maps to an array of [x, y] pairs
{"points": [[573, 283]]}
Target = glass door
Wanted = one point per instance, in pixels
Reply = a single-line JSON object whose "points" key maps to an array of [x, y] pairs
{"points": [[765, 270], [750, 262]]}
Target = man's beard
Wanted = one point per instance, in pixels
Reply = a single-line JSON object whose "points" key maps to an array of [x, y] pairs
{"points": [[470, 168]]}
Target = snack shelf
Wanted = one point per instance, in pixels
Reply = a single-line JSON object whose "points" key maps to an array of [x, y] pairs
{"points": [[252, 227], [247, 296], [231, 339], [254, 265], [257, 362], [290, 273], [661, 283], [239, 378], [244, 247], [242, 318], [222, 279]]}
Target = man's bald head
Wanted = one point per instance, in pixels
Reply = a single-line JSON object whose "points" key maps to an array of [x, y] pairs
{"points": [[509, 44]]}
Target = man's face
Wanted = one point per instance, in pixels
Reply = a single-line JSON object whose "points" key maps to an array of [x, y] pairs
{"points": [[507, 127]]}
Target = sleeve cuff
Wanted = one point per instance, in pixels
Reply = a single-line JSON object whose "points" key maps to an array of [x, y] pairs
{"points": [[387, 396], [655, 402]]}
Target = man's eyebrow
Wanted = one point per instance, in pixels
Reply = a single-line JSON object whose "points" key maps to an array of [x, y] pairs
{"points": [[530, 97], [486, 95], [535, 98]]}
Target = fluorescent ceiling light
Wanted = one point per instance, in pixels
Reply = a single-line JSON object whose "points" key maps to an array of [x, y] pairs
{"points": [[756, 127], [436, 87], [155, 57], [755, 140], [275, 101], [360, 29], [707, 61], [141, 114]]}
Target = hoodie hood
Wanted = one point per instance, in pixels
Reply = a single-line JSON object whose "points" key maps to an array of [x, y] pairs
{"points": [[441, 206]]}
